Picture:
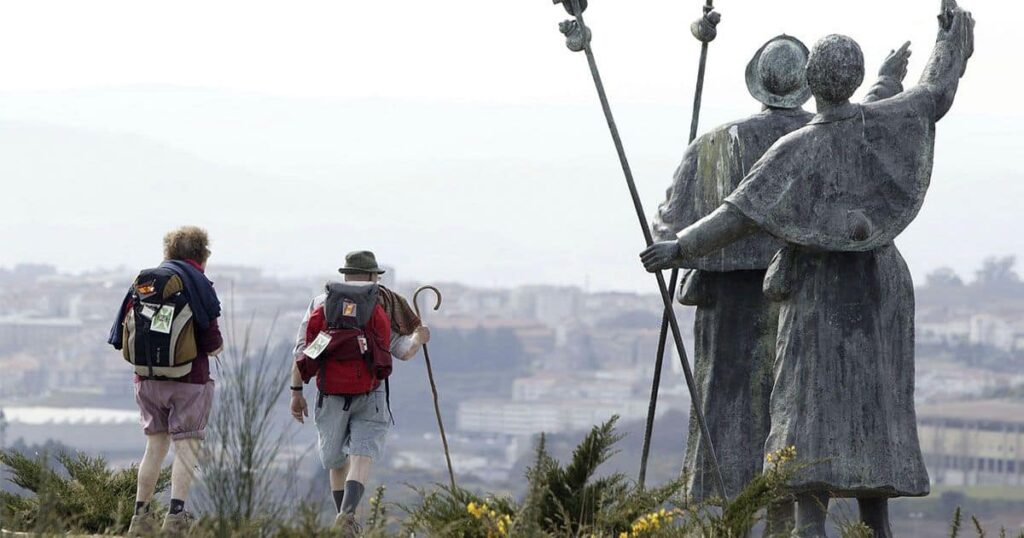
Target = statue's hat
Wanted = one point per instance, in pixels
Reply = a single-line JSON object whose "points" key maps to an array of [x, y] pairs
{"points": [[775, 75]]}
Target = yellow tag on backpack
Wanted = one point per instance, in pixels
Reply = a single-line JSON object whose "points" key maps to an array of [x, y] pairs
{"points": [[349, 309]]}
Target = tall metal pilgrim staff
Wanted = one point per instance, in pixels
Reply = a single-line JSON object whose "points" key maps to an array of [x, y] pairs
{"points": [[704, 29], [433, 386], [578, 39]]}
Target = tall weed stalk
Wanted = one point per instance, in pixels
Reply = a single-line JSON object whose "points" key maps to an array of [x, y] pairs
{"points": [[244, 468]]}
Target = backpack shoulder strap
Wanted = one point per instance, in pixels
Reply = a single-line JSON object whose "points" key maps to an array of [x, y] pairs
{"points": [[380, 326], [174, 285]]}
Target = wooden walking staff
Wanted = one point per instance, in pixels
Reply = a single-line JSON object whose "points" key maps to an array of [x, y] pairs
{"points": [[433, 386], [705, 30], [578, 39]]}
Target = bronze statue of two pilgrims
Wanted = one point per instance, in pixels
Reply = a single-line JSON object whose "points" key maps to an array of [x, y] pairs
{"points": [[836, 192], [735, 324]]}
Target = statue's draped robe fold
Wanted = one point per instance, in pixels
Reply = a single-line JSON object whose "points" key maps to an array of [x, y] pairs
{"points": [[838, 191], [851, 180], [712, 167], [734, 350], [735, 324]]}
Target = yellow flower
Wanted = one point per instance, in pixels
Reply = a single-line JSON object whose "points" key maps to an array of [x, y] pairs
{"points": [[782, 455], [650, 522], [476, 510]]}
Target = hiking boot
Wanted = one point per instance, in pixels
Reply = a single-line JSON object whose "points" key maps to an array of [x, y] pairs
{"points": [[178, 524], [346, 523], [144, 524]]}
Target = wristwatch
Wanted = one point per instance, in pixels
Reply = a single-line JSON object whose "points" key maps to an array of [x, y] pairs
{"points": [[297, 389]]}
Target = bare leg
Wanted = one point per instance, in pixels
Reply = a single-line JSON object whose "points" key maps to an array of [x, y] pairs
{"points": [[359, 468], [184, 468], [811, 511], [338, 476], [157, 446], [780, 520], [874, 512]]}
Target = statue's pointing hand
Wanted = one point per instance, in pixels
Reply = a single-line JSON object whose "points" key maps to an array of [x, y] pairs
{"points": [[895, 65], [660, 256]]}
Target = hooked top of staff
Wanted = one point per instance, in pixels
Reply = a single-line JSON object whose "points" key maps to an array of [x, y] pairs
{"points": [[569, 5], [416, 295]]}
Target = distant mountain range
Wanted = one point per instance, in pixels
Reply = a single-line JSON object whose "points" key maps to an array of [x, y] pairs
{"points": [[483, 194]]}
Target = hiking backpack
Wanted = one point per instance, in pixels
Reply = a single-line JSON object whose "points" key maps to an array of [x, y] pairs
{"points": [[348, 357], [158, 330]]}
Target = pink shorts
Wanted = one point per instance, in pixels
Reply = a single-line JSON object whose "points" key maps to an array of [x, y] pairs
{"points": [[180, 409]]}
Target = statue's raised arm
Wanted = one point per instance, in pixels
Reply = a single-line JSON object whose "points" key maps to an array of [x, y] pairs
{"points": [[948, 62]]}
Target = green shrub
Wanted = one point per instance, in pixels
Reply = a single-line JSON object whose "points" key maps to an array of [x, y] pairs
{"points": [[574, 500], [70, 492], [79, 493]]}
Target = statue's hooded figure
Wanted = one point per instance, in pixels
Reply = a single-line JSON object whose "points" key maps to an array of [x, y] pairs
{"points": [[715, 163], [735, 325]]}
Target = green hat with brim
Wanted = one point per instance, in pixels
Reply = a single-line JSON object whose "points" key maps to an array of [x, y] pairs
{"points": [[360, 262]]}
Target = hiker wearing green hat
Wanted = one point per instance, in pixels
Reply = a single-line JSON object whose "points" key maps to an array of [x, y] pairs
{"points": [[345, 342]]}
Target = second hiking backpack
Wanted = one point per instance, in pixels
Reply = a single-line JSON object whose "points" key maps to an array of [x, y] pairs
{"points": [[158, 331]]}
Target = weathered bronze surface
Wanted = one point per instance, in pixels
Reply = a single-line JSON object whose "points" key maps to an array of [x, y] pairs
{"points": [[837, 192]]}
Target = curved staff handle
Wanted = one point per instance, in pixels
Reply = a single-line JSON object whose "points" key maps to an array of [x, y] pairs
{"points": [[416, 302], [433, 386]]}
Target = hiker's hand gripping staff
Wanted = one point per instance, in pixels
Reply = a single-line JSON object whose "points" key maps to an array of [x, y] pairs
{"points": [[578, 38]]}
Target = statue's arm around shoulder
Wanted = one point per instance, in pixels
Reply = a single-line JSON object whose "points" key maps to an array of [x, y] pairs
{"points": [[948, 62], [721, 228]]}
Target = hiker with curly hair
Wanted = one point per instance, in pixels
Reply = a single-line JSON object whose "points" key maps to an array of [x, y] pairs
{"points": [[167, 329]]}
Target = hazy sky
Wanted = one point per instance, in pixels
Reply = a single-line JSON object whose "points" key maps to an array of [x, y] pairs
{"points": [[459, 139]]}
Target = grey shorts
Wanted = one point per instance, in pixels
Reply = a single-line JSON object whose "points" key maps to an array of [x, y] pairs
{"points": [[174, 407], [359, 431]]}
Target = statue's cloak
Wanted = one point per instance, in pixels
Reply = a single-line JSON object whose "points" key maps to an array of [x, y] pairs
{"points": [[712, 167], [734, 324], [851, 180]]}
